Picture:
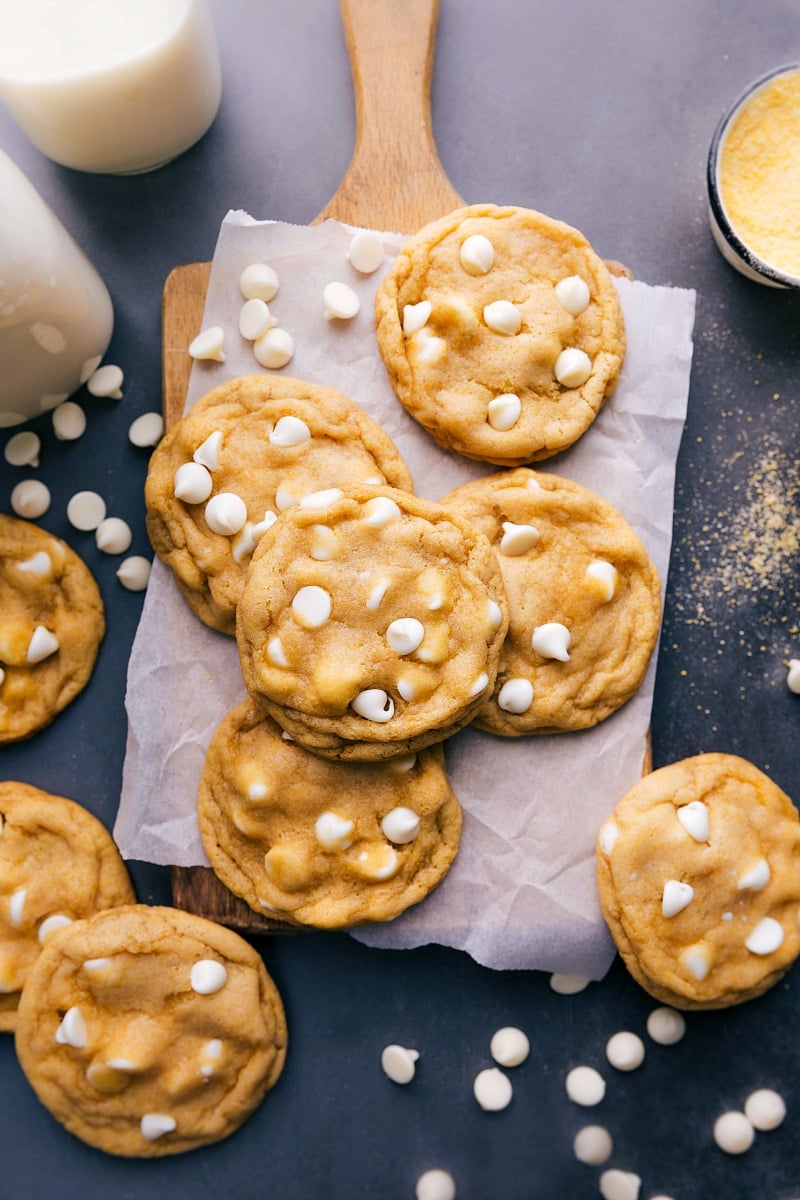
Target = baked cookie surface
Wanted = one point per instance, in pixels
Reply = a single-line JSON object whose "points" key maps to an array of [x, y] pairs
{"points": [[149, 1031], [51, 626], [371, 622], [502, 333], [323, 843], [583, 596], [699, 880], [242, 454], [58, 864]]}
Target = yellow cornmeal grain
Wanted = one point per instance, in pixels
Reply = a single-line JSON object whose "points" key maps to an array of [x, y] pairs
{"points": [[759, 173]]}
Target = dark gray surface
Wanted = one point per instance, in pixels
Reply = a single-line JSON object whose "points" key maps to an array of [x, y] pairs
{"points": [[600, 115]]}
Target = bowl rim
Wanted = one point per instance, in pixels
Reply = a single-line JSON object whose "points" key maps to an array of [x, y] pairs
{"points": [[741, 249]]}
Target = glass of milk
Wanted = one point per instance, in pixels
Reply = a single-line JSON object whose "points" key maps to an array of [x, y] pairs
{"points": [[116, 86], [55, 312]]}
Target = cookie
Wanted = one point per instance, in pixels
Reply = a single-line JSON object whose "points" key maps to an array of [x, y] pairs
{"points": [[502, 333], [51, 626], [699, 878], [58, 863], [583, 596], [243, 453], [149, 1031], [323, 843], [371, 622]]}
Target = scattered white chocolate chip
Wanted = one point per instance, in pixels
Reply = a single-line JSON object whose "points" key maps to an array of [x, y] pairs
{"points": [[146, 430], [573, 367], [16, 906], [509, 1046], [605, 575], [311, 606], [134, 572], [572, 294], [261, 527], [333, 832], [208, 344], [400, 825], [766, 938], [207, 453], [697, 960], [324, 543], [374, 705], [378, 863], [113, 536], [756, 878], [593, 1145], [51, 925], [585, 1086], [476, 254], [399, 1063], [429, 350], [85, 511], [492, 1089], [40, 564], [106, 382], [22, 450], [552, 640], [258, 281], [568, 985], [675, 897], [69, 421], [288, 493], [694, 819], [155, 1125], [516, 695], [733, 1133], [494, 614], [30, 498], [619, 1185], [609, 832], [340, 302], [793, 676], [415, 316], [72, 1031], [376, 594], [274, 349], [96, 964], [208, 976], [276, 653], [255, 319], [666, 1026], [365, 252], [399, 766], [503, 317], [380, 511], [322, 499], [211, 1054], [436, 1184], [625, 1051], [289, 431], [479, 684], [765, 1109], [43, 643], [405, 634], [226, 513], [503, 411], [518, 539]]}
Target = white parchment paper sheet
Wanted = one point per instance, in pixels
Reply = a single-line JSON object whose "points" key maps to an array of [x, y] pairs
{"points": [[521, 893]]}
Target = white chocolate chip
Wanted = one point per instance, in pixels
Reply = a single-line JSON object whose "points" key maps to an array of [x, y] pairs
{"points": [[609, 832], [518, 539], [324, 544], [226, 513], [436, 1184], [340, 302], [374, 705], [765, 1109], [593, 1145], [573, 367], [86, 510], [479, 685], [134, 573], [585, 1086], [429, 350], [694, 819], [106, 382], [255, 319], [113, 536], [509, 1046], [666, 1026], [96, 964], [276, 653], [208, 976], [793, 676], [16, 906], [146, 430], [193, 483], [287, 494], [322, 499], [568, 985], [39, 564], [492, 1089], [30, 498], [376, 594], [756, 878], [289, 431], [311, 606], [274, 349], [22, 450], [365, 252], [675, 897], [211, 1054], [572, 294], [207, 453], [72, 1031], [516, 695], [503, 317], [733, 1133], [69, 421], [766, 938], [51, 925], [697, 960], [552, 640], [408, 689], [476, 254], [259, 281], [261, 527], [504, 411], [380, 862], [415, 316], [399, 766], [619, 1185], [606, 575], [155, 1125], [43, 643], [405, 634], [381, 511], [399, 1063], [208, 344], [495, 614], [400, 825], [333, 832], [625, 1051]]}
